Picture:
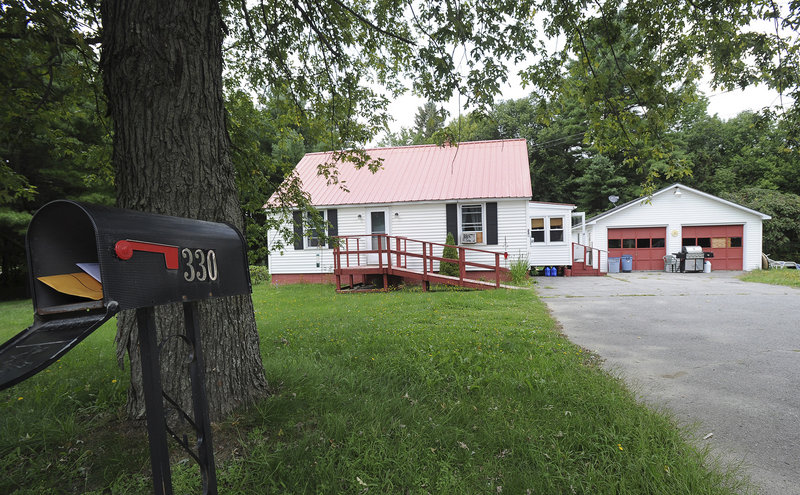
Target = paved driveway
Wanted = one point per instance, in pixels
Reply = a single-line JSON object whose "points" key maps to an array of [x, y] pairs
{"points": [[719, 353]]}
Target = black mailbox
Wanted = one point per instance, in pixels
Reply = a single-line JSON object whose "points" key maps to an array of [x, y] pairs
{"points": [[87, 262]]}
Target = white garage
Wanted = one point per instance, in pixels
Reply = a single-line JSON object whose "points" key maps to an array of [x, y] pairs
{"points": [[651, 227]]}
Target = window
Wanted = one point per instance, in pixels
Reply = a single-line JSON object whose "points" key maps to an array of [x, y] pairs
{"points": [[628, 243], [704, 242], [556, 230], [736, 242], [614, 243], [658, 242], [642, 243], [472, 220], [547, 230], [537, 230], [313, 233], [689, 241]]}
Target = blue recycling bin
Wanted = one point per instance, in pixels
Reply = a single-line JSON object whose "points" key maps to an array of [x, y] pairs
{"points": [[613, 265], [626, 261]]}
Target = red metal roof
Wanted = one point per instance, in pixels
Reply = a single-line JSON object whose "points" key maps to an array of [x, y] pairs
{"points": [[472, 170]]}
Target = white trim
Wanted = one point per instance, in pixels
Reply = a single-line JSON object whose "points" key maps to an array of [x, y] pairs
{"points": [[547, 229], [483, 221]]}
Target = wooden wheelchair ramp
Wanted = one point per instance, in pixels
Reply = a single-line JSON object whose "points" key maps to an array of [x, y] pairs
{"points": [[394, 258]]}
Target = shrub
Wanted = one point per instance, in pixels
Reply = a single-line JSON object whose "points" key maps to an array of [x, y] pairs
{"points": [[259, 274], [449, 251], [519, 270]]}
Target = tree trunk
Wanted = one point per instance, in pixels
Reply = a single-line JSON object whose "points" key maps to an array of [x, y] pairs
{"points": [[162, 69]]}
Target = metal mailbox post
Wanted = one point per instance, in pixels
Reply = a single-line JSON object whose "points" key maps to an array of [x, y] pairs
{"points": [[88, 262]]}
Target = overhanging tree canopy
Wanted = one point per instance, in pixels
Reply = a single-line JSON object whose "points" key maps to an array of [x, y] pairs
{"points": [[163, 63]]}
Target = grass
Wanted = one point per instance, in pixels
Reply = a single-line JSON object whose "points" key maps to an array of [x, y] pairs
{"points": [[790, 278], [401, 392]]}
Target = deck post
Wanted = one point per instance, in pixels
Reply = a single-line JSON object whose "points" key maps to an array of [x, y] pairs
{"points": [[380, 251], [337, 269], [424, 261], [497, 270], [389, 253], [462, 267]]}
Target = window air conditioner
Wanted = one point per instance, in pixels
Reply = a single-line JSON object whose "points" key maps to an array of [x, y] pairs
{"points": [[469, 237]]}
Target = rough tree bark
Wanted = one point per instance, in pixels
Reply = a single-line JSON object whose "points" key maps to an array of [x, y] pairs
{"points": [[162, 70]]}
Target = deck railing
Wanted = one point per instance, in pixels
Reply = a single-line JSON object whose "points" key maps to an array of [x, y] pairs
{"points": [[589, 256], [393, 252]]}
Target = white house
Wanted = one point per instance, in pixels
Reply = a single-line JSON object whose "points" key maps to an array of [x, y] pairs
{"points": [[651, 227], [479, 191]]}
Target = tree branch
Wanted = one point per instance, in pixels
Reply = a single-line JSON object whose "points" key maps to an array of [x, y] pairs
{"points": [[371, 25]]}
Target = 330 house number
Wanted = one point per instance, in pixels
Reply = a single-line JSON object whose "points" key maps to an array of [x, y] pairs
{"points": [[200, 265]]}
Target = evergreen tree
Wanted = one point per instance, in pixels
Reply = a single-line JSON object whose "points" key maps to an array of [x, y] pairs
{"points": [[449, 252]]}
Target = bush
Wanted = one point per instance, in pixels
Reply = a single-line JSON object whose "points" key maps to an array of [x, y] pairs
{"points": [[259, 274], [519, 270], [449, 251]]}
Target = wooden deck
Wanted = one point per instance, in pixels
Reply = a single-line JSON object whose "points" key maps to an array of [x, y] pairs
{"points": [[390, 260]]}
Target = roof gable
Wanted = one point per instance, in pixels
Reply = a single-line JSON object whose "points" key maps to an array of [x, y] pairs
{"points": [[672, 187], [472, 170]]}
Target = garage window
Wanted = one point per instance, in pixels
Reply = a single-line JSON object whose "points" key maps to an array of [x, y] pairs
{"points": [[628, 243], [697, 241], [658, 242], [735, 242], [642, 243], [614, 243]]}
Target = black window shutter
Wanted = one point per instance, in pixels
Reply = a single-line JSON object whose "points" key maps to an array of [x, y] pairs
{"points": [[333, 225], [452, 220], [491, 223], [297, 219]]}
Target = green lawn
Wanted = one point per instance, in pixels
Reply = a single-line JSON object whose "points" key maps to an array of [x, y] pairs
{"points": [[402, 392], [774, 277]]}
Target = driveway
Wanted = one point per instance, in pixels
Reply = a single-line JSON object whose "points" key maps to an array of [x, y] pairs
{"points": [[720, 353]]}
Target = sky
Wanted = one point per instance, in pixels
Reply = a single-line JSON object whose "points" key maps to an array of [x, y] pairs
{"points": [[725, 104]]}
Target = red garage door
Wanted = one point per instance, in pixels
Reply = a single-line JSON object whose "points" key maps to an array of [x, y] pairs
{"points": [[725, 241], [646, 244]]}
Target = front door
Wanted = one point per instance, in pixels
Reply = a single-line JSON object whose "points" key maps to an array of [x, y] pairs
{"points": [[377, 225]]}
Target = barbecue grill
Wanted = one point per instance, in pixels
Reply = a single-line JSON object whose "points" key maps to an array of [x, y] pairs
{"points": [[692, 258]]}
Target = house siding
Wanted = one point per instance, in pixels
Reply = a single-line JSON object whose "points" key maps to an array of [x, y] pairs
{"points": [[674, 212], [549, 253], [419, 221]]}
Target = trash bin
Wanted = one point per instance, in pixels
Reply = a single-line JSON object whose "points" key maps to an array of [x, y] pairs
{"points": [[626, 262], [613, 265]]}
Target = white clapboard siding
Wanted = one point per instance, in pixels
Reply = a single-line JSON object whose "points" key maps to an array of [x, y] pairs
{"points": [[549, 253], [420, 221]]}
